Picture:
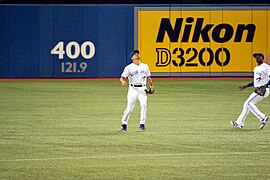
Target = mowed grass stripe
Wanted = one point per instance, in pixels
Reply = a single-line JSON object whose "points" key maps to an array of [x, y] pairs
{"points": [[135, 156]]}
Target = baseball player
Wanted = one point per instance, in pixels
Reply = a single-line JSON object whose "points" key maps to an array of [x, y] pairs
{"points": [[261, 83], [138, 76]]}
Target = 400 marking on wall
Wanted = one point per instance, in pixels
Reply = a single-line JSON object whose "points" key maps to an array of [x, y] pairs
{"points": [[72, 51]]}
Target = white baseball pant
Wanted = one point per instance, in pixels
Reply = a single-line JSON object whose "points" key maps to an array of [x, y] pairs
{"points": [[135, 93], [250, 105]]}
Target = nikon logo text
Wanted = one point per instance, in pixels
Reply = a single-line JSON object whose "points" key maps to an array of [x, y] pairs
{"points": [[220, 33]]}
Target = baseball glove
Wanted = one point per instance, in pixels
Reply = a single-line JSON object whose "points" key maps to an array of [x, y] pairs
{"points": [[149, 91], [260, 90]]}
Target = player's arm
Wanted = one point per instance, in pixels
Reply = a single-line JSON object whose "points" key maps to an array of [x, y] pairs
{"points": [[150, 83], [246, 86], [124, 75], [123, 81]]}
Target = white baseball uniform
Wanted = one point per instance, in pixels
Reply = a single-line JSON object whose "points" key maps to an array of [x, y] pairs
{"points": [[137, 76], [261, 78]]}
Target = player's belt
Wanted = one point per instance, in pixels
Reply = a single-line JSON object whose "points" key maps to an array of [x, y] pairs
{"points": [[137, 85]]}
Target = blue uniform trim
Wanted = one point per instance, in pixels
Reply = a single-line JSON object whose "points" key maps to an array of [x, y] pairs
{"points": [[268, 84], [250, 84]]}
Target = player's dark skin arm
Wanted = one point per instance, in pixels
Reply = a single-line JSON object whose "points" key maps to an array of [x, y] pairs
{"points": [[241, 88]]}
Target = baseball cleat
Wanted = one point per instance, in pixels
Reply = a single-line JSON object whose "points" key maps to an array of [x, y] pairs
{"points": [[263, 122], [142, 127], [233, 123], [124, 127]]}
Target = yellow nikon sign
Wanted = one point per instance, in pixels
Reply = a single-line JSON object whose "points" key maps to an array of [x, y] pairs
{"points": [[202, 41]]}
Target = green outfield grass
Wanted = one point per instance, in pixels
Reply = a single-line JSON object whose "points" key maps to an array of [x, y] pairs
{"points": [[71, 130]]}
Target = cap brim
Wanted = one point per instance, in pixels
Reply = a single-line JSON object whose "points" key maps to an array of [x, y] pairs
{"points": [[255, 54]]}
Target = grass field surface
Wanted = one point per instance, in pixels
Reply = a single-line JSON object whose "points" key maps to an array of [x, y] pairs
{"points": [[71, 130]]}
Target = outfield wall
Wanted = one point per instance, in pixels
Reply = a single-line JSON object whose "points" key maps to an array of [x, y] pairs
{"points": [[58, 41]]}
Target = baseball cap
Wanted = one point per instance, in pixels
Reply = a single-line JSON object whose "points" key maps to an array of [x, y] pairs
{"points": [[258, 54], [133, 52]]}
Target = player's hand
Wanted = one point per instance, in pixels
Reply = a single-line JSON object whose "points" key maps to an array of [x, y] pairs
{"points": [[241, 88], [124, 83]]}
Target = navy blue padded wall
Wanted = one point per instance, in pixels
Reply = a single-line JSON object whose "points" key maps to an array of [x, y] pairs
{"points": [[4, 43], [112, 43], [23, 41], [46, 35]]}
